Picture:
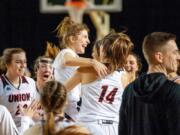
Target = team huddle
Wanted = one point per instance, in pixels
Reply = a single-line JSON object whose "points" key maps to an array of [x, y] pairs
{"points": [[103, 95]]}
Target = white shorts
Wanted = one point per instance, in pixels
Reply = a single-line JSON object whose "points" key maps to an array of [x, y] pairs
{"points": [[102, 127]]}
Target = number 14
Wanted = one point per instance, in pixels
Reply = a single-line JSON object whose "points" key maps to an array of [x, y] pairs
{"points": [[107, 97]]}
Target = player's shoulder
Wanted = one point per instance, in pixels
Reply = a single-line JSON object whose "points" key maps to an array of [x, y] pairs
{"points": [[29, 83], [3, 108], [67, 51], [26, 79]]}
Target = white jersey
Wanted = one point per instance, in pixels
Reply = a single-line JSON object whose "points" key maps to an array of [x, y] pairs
{"points": [[101, 99], [15, 98], [7, 126], [61, 74]]}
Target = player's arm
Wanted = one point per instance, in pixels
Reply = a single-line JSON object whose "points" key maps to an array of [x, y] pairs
{"points": [[100, 68], [73, 81], [126, 79], [7, 123]]}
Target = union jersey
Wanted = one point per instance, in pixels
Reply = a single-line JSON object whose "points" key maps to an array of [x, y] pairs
{"points": [[101, 99], [15, 98], [61, 74]]}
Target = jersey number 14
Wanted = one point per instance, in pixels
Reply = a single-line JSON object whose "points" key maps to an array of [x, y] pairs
{"points": [[107, 97]]}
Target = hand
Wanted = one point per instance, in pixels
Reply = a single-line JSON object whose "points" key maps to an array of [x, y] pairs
{"points": [[100, 68], [31, 109]]}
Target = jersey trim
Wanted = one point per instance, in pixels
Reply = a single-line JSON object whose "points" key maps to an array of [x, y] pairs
{"points": [[6, 81]]}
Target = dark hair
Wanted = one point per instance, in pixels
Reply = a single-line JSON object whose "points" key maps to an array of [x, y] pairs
{"points": [[138, 59], [53, 99]]}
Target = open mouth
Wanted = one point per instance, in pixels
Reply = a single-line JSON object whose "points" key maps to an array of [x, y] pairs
{"points": [[46, 76]]}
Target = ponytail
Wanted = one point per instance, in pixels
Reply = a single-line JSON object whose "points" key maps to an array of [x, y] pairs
{"points": [[49, 126]]}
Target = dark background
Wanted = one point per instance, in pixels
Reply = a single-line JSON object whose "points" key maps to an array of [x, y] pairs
{"points": [[22, 25]]}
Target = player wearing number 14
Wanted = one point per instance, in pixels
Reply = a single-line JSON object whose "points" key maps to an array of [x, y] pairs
{"points": [[101, 97]]}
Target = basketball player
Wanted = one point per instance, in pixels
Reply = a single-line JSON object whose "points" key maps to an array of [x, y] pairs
{"points": [[17, 92], [53, 100], [101, 96], [43, 73], [133, 66], [7, 125], [74, 39]]}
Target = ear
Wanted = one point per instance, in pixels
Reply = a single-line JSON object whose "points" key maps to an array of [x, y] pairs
{"points": [[72, 39], [158, 57]]}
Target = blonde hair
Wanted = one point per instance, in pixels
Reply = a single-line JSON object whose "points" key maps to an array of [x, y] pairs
{"points": [[116, 48], [7, 54], [67, 28], [6, 58], [74, 130], [2, 66], [51, 50]]}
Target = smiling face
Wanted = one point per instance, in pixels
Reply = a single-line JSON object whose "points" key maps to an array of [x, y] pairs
{"points": [[171, 56], [80, 42], [17, 65], [132, 64]]}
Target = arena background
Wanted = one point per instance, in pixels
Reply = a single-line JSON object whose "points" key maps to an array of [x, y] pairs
{"points": [[22, 25]]}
